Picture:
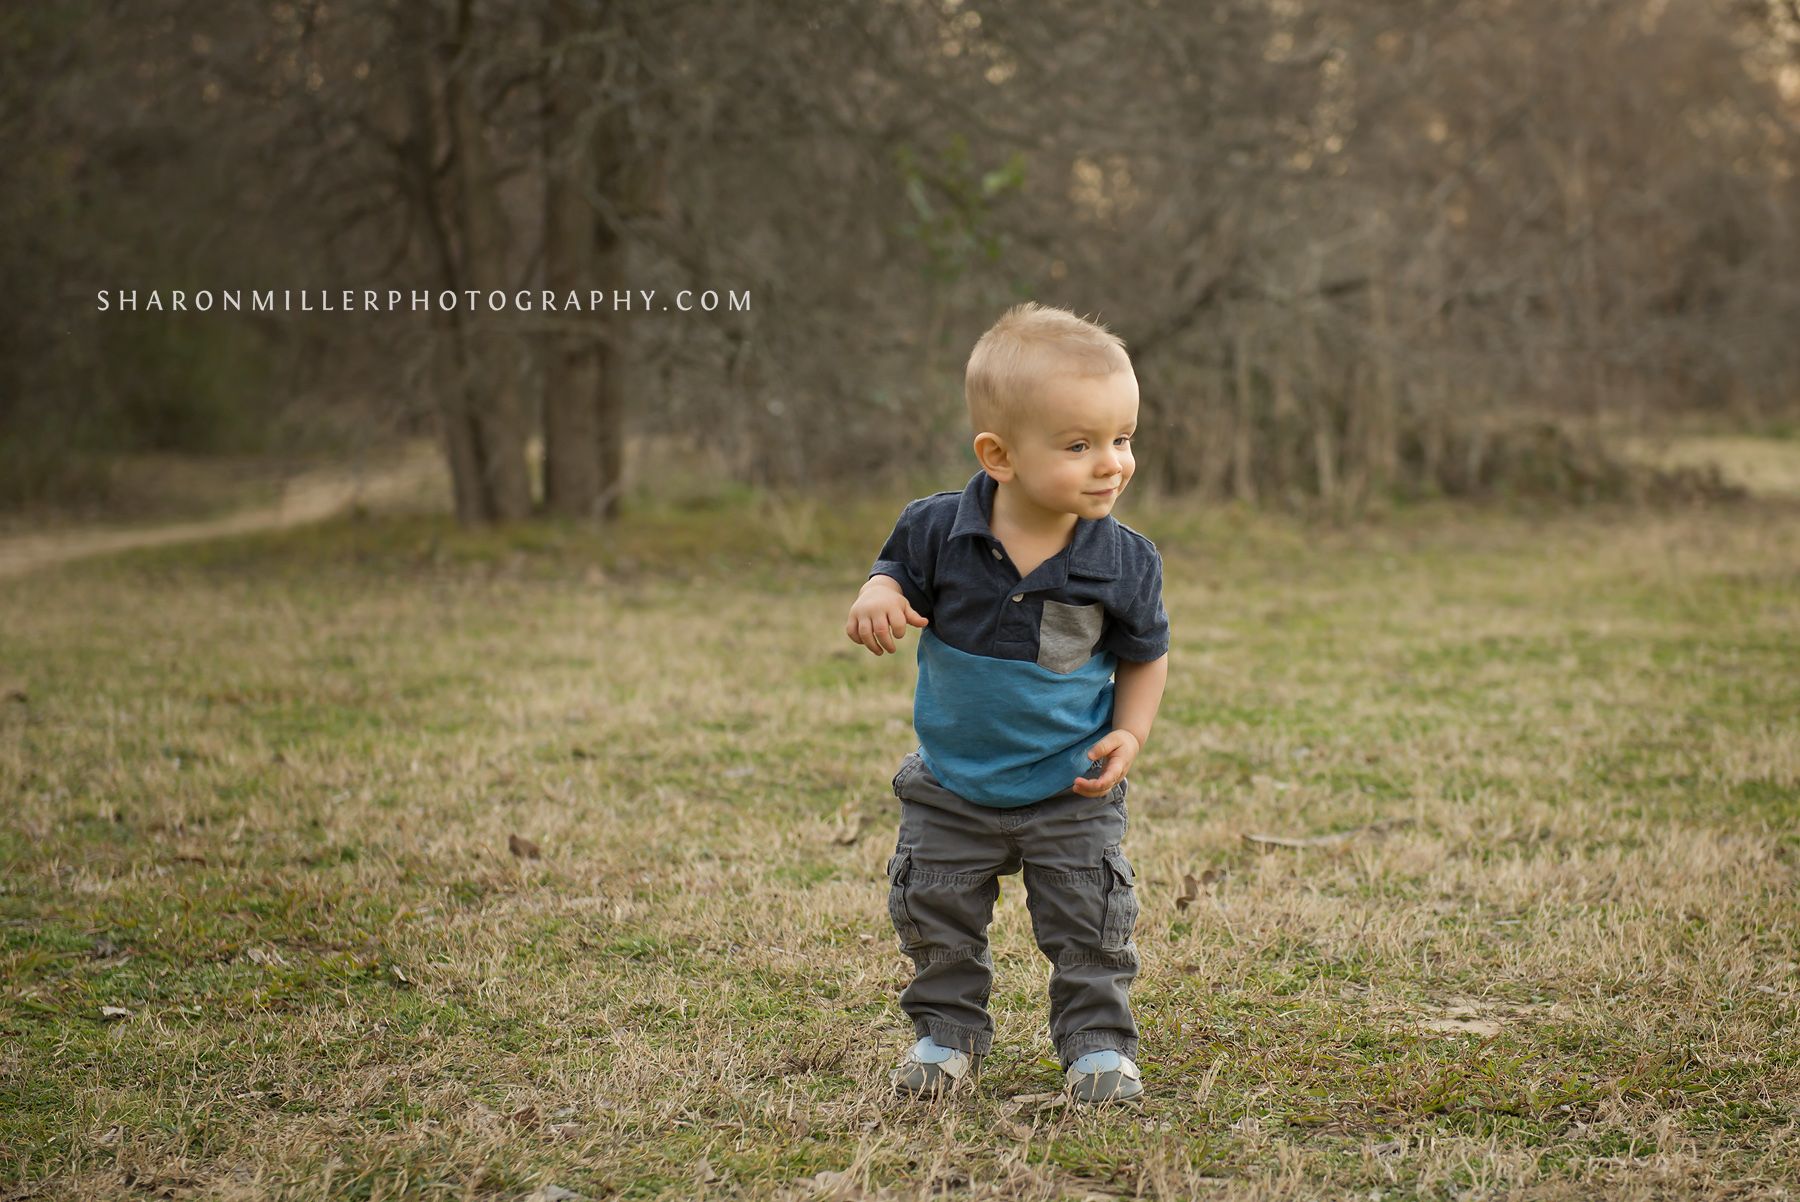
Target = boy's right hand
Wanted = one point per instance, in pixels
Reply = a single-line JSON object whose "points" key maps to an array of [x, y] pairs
{"points": [[880, 615]]}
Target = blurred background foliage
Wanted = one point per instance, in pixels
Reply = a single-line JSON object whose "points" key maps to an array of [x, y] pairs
{"points": [[1358, 249]]}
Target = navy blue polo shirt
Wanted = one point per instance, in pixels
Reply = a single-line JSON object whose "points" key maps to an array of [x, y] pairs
{"points": [[1015, 675]]}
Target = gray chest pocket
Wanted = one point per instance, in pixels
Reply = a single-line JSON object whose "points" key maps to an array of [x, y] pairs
{"points": [[1067, 636]]}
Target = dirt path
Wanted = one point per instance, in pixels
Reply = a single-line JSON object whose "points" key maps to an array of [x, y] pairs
{"points": [[1764, 467], [309, 497]]}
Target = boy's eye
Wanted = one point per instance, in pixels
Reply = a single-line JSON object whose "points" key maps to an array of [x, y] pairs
{"points": [[1122, 440], [1078, 447]]}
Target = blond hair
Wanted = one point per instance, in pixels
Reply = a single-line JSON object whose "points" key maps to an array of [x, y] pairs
{"points": [[1028, 343]]}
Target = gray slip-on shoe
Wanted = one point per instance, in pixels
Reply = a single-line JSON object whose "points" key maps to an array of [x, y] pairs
{"points": [[1104, 1076], [930, 1069]]}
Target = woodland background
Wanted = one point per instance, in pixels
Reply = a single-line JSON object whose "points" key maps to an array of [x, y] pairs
{"points": [[1356, 248]]}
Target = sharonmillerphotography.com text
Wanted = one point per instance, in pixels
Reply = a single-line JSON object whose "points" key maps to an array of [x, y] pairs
{"points": [[368, 300]]}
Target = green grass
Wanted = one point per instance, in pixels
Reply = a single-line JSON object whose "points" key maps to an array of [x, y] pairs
{"points": [[257, 793]]}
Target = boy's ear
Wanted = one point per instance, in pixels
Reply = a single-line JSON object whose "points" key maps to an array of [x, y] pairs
{"points": [[996, 461]]}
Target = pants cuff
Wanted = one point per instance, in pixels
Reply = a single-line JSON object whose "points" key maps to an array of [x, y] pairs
{"points": [[949, 1035], [1082, 1042]]}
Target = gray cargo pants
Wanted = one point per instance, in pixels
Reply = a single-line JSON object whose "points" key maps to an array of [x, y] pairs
{"points": [[1078, 889]]}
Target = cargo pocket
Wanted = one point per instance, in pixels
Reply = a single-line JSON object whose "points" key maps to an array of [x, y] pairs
{"points": [[899, 870], [1121, 904], [909, 768]]}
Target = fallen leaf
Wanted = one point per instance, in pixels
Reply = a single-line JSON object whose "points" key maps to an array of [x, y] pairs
{"points": [[1017, 1131], [524, 1116], [268, 959], [1392, 1147], [1191, 886], [400, 978], [115, 1013], [111, 1136], [704, 1172], [522, 847], [848, 834]]}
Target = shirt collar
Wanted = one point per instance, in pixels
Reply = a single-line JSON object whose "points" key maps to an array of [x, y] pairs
{"points": [[1093, 550]]}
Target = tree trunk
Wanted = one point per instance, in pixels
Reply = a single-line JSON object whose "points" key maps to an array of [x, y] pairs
{"points": [[1243, 463], [415, 43], [609, 389], [492, 387], [572, 357], [1382, 451], [1324, 445], [583, 389]]}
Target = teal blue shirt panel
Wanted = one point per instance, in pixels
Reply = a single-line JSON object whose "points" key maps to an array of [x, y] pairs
{"points": [[1007, 732]]}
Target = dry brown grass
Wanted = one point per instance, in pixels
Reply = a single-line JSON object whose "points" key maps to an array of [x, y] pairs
{"points": [[260, 797]]}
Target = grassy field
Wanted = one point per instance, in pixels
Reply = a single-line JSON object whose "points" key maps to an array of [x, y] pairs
{"points": [[261, 933]]}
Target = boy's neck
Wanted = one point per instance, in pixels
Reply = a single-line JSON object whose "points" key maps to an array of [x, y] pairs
{"points": [[1029, 532]]}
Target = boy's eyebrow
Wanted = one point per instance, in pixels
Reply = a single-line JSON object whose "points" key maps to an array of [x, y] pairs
{"points": [[1071, 431]]}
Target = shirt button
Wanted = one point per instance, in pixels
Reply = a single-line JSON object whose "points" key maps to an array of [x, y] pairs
{"points": [[1018, 596], [996, 551]]}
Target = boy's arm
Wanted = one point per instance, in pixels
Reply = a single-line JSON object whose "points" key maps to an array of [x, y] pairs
{"points": [[1137, 692], [880, 615], [898, 591]]}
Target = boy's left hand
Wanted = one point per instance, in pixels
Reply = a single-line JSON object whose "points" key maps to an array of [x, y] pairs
{"points": [[1118, 749]]}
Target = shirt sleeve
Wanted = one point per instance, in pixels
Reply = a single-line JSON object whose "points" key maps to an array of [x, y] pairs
{"points": [[910, 557], [1139, 630]]}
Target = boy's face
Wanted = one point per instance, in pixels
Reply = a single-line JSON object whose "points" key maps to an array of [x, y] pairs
{"points": [[1072, 453]]}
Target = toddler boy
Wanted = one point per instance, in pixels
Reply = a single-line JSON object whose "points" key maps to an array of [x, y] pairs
{"points": [[1031, 598]]}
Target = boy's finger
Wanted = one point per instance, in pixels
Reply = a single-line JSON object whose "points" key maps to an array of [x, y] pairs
{"points": [[865, 634], [1094, 786], [883, 633], [1106, 780], [915, 618]]}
